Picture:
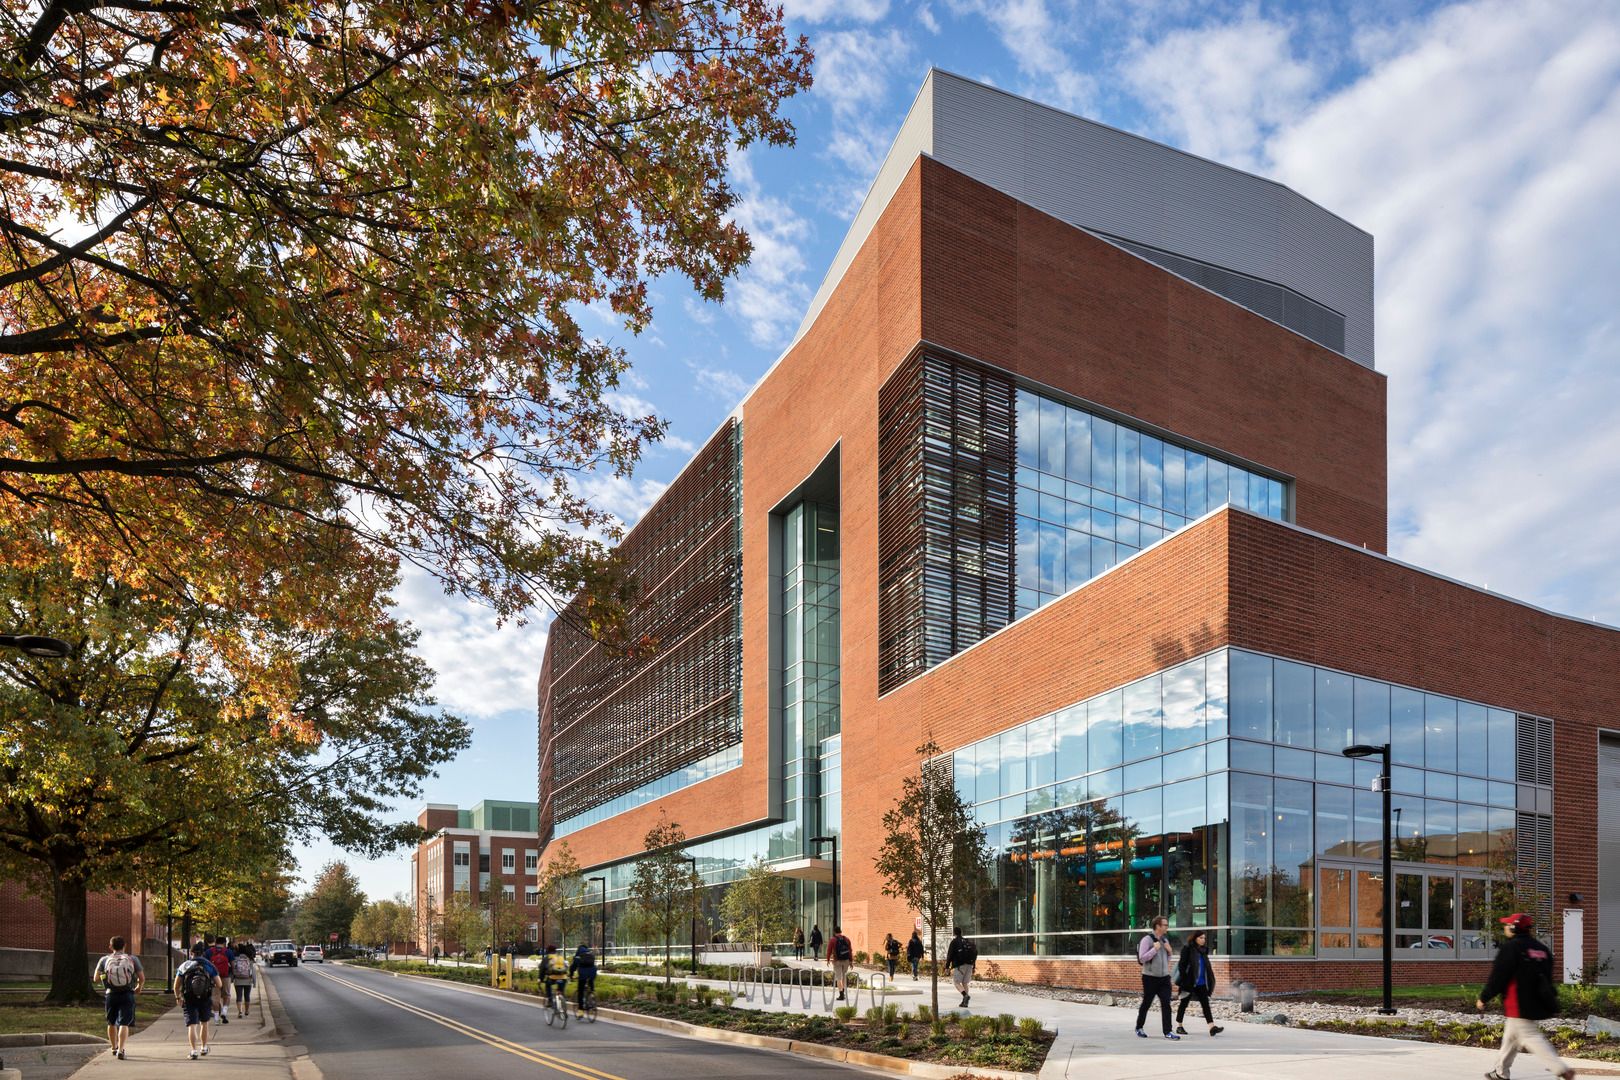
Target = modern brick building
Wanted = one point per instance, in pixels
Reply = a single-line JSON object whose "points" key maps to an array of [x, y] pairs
{"points": [[1076, 468], [27, 931], [492, 849]]}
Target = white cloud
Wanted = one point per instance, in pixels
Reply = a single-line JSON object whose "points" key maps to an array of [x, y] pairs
{"points": [[1485, 158], [1220, 91], [677, 445], [1043, 42], [698, 311], [770, 295], [815, 11], [854, 74], [925, 17], [722, 383]]}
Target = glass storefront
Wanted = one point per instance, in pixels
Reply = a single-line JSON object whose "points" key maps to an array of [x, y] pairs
{"points": [[1092, 491], [1216, 792]]}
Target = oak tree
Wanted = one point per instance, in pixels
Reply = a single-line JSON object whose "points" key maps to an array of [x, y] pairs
{"points": [[270, 270]]}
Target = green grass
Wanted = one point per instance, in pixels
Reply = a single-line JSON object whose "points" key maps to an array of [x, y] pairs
{"points": [[27, 1013]]}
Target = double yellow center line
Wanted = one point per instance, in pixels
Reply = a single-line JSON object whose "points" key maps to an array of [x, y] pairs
{"points": [[550, 1061]]}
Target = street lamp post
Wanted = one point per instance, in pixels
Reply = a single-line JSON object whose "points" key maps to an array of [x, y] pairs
{"points": [[34, 645], [1382, 784], [693, 860], [838, 915], [602, 881]]}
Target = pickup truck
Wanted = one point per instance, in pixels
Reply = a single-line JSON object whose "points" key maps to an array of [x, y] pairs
{"points": [[280, 952]]}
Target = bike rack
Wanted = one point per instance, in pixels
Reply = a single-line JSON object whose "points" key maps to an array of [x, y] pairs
{"points": [[733, 982]]}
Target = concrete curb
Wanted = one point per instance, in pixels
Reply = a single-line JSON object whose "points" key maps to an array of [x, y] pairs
{"points": [[860, 1058], [50, 1038]]}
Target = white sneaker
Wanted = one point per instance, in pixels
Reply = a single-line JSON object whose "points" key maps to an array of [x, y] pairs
{"points": [[194, 1055], [205, 1051]]}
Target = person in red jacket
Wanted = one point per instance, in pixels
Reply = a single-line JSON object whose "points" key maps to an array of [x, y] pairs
{"points": [[1522, 974]]}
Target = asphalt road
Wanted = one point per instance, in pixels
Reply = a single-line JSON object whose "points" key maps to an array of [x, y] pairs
{"points": [[360, 1024]]}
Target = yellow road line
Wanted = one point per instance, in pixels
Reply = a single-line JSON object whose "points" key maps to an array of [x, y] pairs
{"points": [[563, 1065]]}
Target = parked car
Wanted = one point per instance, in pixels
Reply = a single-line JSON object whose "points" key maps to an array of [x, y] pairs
{"points": [[311, 954], [280, 952]]}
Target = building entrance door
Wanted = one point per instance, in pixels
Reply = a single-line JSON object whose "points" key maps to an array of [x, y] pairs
{"points": [[1439, 912]]}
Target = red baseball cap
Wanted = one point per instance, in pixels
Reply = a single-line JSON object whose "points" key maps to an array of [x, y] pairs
{"points": [[1519, 921]]}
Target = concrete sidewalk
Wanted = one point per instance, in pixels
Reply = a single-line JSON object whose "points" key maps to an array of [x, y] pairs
{"points": [[1098, 1042], [247, 1049]]}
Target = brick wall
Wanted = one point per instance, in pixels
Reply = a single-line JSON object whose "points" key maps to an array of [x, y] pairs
{"points": [[25, 919]]}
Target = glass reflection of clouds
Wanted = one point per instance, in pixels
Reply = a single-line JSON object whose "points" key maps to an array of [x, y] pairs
{"points": [[1138, 801]]}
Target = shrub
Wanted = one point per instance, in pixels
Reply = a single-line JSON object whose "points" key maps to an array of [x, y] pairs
{"points": [[936, 1028], [845, 1013], [902, 1031], [1029, 1027], [875, 1018], [860, 956], [1006, 1024], [973, 1027], [925, 1012], [891, 1013]]}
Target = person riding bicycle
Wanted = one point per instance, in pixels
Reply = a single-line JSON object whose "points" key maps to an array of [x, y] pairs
{"points": [[583, 968], [553, 976]]}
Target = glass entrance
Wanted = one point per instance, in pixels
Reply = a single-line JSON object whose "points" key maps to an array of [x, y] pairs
{"points": [[1438, 913]]}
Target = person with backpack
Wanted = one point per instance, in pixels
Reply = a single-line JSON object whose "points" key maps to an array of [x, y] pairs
{"points": [[221, 955], [242, 977], [842, 955], [122, 976], [1153, 953], [914, 953], [194, 986], [1523, 975], [961, 958], [798, 943], [583, 968], [891, 949], [1195, 978], [815, 941]]}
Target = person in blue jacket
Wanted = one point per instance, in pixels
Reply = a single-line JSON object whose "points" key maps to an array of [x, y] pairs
{"points": [[1195, 978]]}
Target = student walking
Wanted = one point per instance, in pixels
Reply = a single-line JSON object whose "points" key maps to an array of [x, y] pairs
{"points": [[1153, 953], [1196, 980], [914, 953], [194, 986], [798, 943], [1523, 975], [815, 941], [121, 974], [242, 977], [842, 954], [961, 958], [891, 949], [220, 955]]}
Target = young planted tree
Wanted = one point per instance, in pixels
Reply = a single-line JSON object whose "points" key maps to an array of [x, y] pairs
{"points": [[559, 886], [271, 271], [934, 855], [664, 890], [755, 907]]}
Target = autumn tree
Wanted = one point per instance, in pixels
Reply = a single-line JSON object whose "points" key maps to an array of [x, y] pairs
{"points": [[664, 889], [331, 905], [755, 907], [141, 758], [934, 855], [383, 922], [272, 274], [464, 922]]}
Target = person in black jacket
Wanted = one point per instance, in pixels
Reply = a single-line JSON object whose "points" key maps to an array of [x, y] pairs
{"points": [[583, 968], [962, 955], [914, 953], [1523, 975], [1195, 978]]}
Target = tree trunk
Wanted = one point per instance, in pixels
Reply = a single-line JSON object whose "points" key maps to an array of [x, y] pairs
{"points": [[70, 960], [933, 961]]}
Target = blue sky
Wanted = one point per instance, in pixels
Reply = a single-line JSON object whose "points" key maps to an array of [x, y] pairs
{"points": [[1479, 142]]}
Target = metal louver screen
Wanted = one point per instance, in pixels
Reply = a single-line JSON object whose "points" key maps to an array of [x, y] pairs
{"points": [[1534, 862], [945, 512], [1535, 751], [613, 719]]}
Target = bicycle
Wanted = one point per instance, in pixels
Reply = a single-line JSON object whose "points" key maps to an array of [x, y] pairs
{"points": [[558, 1012], [588, 1012]]}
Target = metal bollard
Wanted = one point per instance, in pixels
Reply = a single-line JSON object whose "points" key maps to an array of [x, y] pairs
{"points": [[1245, 997]]}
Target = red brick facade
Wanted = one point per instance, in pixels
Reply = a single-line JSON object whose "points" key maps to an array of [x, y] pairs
{"points": [[953, 264], [433, 872], [25, 919]]}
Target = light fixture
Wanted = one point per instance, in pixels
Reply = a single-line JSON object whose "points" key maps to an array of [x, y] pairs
{"points": [[34, 645]]}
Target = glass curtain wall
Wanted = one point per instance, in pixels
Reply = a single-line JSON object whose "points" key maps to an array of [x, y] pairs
{"points": [[1216, 792], [810, 677], [1092, 491]]}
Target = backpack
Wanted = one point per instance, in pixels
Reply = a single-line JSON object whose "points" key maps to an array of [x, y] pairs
{"points": [[198, 983], [841, 949], [970, 952], [242, 968], [221, 961], [119, 971]]}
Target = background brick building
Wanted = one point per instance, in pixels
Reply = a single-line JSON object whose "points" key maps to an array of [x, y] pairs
{"points": [[491, 849]]}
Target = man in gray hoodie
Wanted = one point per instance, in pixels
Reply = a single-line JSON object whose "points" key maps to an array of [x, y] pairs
{"points": [[1153, 953]]}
